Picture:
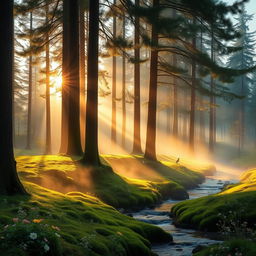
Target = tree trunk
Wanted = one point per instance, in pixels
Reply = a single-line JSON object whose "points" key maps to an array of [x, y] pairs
{"points": [[201, 100], [175, 101], [137, 128], [113, 125], [150, 152], [193, 102], [202, 120], [82, 69], [168, 110], [185, 110], [74, 137], [241, 119], [9, 180], [123, 91], [91, 154], [175, 127], [65, 69], [212, 106], [47, 92], [30, 83]]}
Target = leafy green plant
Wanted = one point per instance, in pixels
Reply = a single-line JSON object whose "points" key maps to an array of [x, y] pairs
{"points": [[30, 237]]}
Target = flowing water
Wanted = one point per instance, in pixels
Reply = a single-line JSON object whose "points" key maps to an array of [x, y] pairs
{"points": [[184, 240]]}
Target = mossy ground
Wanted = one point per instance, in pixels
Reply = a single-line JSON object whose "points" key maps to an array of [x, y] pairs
{"points": [[204, 213], [69, 196], [241, 247], [134, 183], [86, 225]]}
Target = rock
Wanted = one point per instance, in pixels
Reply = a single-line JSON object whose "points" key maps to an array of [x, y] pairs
{"points": [[179, 249], [199, 248]]}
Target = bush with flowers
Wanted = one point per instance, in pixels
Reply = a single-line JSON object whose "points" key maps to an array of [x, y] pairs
{"points": [[240, 237], [29, 237]]}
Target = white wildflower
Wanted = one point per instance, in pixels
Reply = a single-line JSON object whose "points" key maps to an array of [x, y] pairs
{"points": [[46, 248], [33, 236]]}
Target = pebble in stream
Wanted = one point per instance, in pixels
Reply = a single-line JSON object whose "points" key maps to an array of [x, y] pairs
{"points": [[184, 240]]}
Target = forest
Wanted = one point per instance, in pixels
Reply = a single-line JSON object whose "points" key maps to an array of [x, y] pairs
{"points": [[127, 128]]}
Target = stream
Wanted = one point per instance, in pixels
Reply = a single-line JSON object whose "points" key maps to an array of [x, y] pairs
{"points": [[184, 240]]}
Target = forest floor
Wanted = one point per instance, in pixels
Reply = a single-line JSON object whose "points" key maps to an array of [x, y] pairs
{"points": [[128, 182], [70, 210]]}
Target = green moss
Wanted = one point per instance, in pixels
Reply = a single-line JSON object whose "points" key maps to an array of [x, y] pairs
{"points": [[88, 227], [204, 213], [241, 247], [65, 175]]}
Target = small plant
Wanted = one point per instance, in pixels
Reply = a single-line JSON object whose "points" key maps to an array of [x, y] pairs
{"points": [[221, 250], [233, 224], [29, 237]]}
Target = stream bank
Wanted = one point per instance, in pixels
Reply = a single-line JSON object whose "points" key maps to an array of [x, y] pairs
{"points": [[184, 240]]}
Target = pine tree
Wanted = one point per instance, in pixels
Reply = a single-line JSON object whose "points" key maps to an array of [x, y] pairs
{"points": [[241, 60], [137, 115], [9, 180], [48, 141], [72, 78], [28, 146], [123, 86], [114, 71], [91, 154], [150, 151]]}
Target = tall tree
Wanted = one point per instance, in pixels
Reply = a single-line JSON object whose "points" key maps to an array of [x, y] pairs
{"points": [[65, 67], [91, 154], [150, 151], [212, 105], [73, 80], [241, 60], [123, 89], [114, 59], [192, 99], [9, 181], [82, 37], [48, 142], [137, 114], [175, 101], [30, 85]]}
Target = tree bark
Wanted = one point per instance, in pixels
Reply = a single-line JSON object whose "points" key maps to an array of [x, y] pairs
{"points": [[212, 106], [192, 103], [82, 69], [65, 69], [202, 120], [30, 84], [91, 154], [150, 152], [241, 120], [74, 137], [9, 180], [48, 143], [175, 127], [123, 91], [113, 125], [175, 101], [137, 114]]}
